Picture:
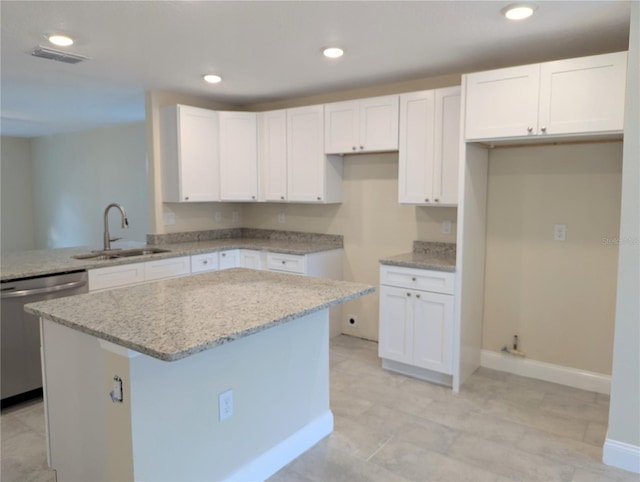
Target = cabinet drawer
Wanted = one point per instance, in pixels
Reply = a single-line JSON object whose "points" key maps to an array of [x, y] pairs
{"points": [[204, 262], [290, 263], [114, 276], [167, 268], [419, 279]]}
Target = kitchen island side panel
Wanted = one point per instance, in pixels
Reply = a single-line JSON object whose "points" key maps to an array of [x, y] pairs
{"points": [[280, 383]]}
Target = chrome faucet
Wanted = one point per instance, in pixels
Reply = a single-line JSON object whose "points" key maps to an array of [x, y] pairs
{"points": [[125, 224]]}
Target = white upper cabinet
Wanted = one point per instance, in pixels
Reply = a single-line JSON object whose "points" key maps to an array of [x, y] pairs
{"points": [[190, 154], [562, 98], [238, 156], [429, 147], [272, 128], [311, 175], [365, 125]]}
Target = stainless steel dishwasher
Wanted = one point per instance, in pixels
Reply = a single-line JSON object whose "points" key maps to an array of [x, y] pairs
{"points": [[20, 331]]}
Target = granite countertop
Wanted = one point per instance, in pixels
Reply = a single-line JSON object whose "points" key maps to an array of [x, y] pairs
{"points": [[24, 264], [426, 255], [176, 318]]}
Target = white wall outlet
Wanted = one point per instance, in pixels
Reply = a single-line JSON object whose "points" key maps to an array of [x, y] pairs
{"points": [[235, 216], [446, 227], [169, 218], [225, 405], [281, 217], [352, 320], [218, 217], [560, 232]]}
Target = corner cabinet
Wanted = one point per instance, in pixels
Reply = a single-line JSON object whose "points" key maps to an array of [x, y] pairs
{"points": [[429, 147], [416, 322], [365, 125], [190, 154], [581, 96], [312, 176], [238, 134]]}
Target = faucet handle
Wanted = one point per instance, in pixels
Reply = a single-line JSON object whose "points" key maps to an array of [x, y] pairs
{"points": [[114, 239]]}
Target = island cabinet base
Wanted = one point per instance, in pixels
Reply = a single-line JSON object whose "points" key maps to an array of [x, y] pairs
{"points": [[167, 427]]}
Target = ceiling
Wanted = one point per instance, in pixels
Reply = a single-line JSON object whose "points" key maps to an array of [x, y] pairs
{"points": [[266, 50]]}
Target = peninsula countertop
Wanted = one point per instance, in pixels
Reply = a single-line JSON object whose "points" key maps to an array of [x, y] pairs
{"points": [[426, 255], [24, 264], [173, 319]]}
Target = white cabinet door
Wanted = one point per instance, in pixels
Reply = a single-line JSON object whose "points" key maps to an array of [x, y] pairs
{"points": [[379, 124], [167, 268], [114, 276], [447, 146], [366, 125], [416, 150], [583, 95], [189, 152], [395, 325], [433, 331], [251, 258], [502, 103], [238, 156], [273, 155], [429, 147], [229, 258], [311, 175], [342, 127]]}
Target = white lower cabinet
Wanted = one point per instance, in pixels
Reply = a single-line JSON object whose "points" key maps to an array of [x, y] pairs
{"points": [[201, 263], [252, 259], [229, 258], [133, 273], [416, 320], [290, 263]]}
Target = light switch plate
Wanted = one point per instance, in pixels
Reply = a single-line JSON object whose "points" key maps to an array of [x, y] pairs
{"points": [[225, 405], [446, 227], [560, 232]]}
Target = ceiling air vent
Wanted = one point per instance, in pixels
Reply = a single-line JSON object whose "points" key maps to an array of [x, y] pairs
{"points": [[59, 55]]}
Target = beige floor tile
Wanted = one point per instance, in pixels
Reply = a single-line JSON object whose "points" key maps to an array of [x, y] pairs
{"points": [[508, 461], [560, 449], [604, 473], [568, 406], [355, 438], [596, 433]]}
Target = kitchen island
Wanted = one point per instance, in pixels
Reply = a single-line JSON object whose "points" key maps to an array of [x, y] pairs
{"points": [[223, 376]]}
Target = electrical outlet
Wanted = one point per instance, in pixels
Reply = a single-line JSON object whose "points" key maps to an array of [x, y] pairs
{"points": [[225, 405], [446, 227], [560, 232], [281, 217], [235, 216], [218, 217], [352, 320]]}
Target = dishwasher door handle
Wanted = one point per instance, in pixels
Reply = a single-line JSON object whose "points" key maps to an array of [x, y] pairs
{"points": [[38, 291]]}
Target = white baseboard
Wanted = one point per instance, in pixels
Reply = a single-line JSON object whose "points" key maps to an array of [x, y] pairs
{"points": [[585, 380], [276, 457], [621, 455]]}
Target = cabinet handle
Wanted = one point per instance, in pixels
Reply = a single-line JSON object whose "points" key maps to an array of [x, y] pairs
{"points": [[409, 294], [436, 200], [543, 129], [223, 254], [205, 262], [426, 200], [253, 197], [282, 197], [361, 147], [413, 279], [529, 129], [284, 262], [354, 148], [417, 296], [319, 198], [186, 198]]}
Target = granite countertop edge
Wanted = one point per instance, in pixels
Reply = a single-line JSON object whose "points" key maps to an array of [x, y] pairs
{"points": [[421, 261]]}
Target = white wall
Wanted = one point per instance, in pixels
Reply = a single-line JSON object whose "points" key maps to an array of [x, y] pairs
{"points": [[77, 175], [624, 415], [17, 217]]}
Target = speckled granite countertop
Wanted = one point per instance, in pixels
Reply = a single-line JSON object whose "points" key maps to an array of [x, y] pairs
{"points": [[176, 318], [426, 255], [24, 264]]}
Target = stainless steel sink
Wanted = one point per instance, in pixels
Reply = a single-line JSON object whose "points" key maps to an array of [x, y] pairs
{"points": [[119, 253]]}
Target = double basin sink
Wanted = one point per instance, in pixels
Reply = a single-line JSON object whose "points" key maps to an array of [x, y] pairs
{"points": [[119, 253]]}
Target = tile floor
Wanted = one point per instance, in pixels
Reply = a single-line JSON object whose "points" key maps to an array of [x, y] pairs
{"points": [[388, 427]]}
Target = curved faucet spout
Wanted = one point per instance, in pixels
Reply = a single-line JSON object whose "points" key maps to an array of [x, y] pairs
{"points": [[125, 224]]}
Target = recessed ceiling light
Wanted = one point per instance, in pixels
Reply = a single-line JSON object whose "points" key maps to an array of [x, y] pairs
{"points": [[212, 78], [60, 40], [517, 12], [333, 52]]}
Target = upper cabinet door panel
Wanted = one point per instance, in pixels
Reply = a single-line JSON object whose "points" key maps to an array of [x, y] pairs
{"points": [[238, 156], [447, 145], [502, 103], [305, 154], [273, 155], [341, 121], [379, 124], [583, 95]]}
